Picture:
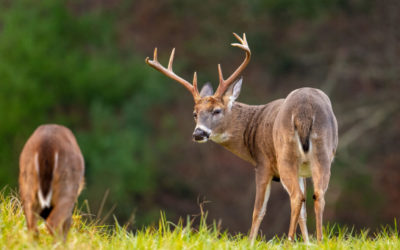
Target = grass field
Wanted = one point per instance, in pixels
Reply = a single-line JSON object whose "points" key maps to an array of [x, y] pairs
{"points": [[88, 235]]}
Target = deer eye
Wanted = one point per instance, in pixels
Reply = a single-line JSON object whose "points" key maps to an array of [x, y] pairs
{"points": [[195, 115], [216, 111]]}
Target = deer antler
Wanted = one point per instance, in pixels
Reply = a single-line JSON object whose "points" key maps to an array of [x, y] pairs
{"points": [[170, 73], [224, 84]]}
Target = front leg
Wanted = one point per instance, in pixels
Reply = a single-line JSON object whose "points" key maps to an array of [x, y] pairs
{"points": [[263, 190]]}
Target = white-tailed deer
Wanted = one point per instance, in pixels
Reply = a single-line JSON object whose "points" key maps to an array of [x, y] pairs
{"points": [[50, 178], [287, 139]]}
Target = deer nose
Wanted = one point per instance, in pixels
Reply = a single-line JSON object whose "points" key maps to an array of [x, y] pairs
{"points": [[199, 134]]}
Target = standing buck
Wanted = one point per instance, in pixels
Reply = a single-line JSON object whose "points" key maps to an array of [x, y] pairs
{"points": [[51, 178], [287, 139]]}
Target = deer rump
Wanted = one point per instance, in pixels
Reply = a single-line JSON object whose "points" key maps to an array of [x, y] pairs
{"points": [[51, 177], [46, 160]]}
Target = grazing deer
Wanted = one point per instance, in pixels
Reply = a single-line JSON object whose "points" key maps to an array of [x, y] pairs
{"points": [[287, 139], [51, 178]]}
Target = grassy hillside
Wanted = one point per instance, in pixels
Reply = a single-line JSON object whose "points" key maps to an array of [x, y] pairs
{"points": [[88, 235]]}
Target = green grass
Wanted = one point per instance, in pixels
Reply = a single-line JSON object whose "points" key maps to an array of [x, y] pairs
{"points": [[88, 235]]}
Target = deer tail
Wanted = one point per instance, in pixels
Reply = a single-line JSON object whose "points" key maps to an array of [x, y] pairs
{"points": [[303, 123], [45, 164]]}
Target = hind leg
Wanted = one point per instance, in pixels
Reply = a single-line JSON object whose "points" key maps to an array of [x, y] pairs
{"points": [[58, 221], [66, 226], [31, 219], [288, 170], [303, 212], [320, 175]]}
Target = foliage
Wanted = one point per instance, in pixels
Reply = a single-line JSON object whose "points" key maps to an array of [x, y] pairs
{"points": [[290, 10], [57, 66]]}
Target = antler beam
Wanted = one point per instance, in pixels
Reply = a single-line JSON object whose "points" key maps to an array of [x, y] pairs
{"points": [[224, 84], [170, 73]]}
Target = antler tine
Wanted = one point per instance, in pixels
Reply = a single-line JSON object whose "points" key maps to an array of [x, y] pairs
{"points": [[154, 61], [243, 42], [195, 80], [224, 84], [239, 38], [155, 54], [171, 59], [170, 73], [221, 77]]}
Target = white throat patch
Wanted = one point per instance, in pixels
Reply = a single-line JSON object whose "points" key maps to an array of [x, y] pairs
{"points": [[220, 138], [215, 137]]}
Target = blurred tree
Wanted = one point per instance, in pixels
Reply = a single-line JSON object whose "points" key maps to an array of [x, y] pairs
{"points": [[60, 67]]}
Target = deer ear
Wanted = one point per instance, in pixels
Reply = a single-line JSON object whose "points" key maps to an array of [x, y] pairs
{"points": [[233, 92], [206, 90]]}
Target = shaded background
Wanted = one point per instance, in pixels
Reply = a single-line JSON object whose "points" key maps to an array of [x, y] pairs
{"points": [[81, 64]]}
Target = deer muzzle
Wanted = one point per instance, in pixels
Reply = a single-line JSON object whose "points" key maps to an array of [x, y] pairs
{"points": [[200, 135]]}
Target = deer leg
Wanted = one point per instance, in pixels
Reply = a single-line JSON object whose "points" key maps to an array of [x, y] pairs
{"points": [[66, 227], [31, 219], [303, 212], [290, 181], [263, 190], [58, 217], [320, 176]]}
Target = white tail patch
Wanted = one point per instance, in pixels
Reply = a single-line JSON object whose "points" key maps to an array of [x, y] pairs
{"points": [[55, 161], [304, 168], [300, 146], [37, 162], [45, 202]]}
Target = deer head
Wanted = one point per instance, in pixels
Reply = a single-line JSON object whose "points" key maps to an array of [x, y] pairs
{"points": [[211, 110]]}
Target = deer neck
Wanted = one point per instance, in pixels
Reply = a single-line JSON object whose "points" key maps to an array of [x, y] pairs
{"points": [[237, 123]]}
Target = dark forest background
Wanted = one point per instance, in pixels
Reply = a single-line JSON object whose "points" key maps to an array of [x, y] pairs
{"points": [[81, 64]]}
